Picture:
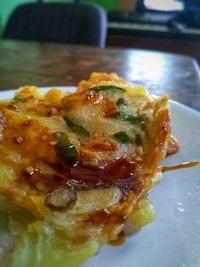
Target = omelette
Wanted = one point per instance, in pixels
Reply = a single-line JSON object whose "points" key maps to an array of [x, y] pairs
{"points": [[76, 167]]}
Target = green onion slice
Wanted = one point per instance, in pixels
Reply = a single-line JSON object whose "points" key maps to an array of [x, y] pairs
{"points": [[138, 138], [140, 119], [122, 101], [65, 149], [122, 137], [111, 88], [75, 127], [18, 98]]}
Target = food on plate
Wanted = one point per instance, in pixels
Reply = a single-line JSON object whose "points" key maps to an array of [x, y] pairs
{"points": [[75, 167]]}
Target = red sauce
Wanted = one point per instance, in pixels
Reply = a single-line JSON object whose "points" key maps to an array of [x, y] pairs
{"points": [[119, 172], [181, 166]]}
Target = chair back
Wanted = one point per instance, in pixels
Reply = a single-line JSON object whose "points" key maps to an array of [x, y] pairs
{"points": [[73, 23]]}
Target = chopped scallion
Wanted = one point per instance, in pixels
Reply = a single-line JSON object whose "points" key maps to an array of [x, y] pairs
{"points": [[75, 127], [122, 137], [138, 138], [111, 88], [122, 101], [65, 149], [139, 119], [18, 98]]}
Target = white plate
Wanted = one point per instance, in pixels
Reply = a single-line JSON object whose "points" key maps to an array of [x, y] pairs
{"points": [[173, 239]]}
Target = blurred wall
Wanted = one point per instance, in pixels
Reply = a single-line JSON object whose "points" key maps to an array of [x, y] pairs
{"points": [[6, 7], [127, 4], [107, 4]]}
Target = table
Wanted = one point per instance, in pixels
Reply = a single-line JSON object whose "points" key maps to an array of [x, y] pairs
{"points": [[42, 64]]}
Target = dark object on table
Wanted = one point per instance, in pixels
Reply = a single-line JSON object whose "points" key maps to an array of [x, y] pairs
{"points": [[140, 17], [75, 23], [190, 18]]}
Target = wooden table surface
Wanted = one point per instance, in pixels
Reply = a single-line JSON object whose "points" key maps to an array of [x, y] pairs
{"points": [[24, 63]]}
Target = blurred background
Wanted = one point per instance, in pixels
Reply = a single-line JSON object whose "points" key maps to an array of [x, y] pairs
{"points": [[163, 25]]}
